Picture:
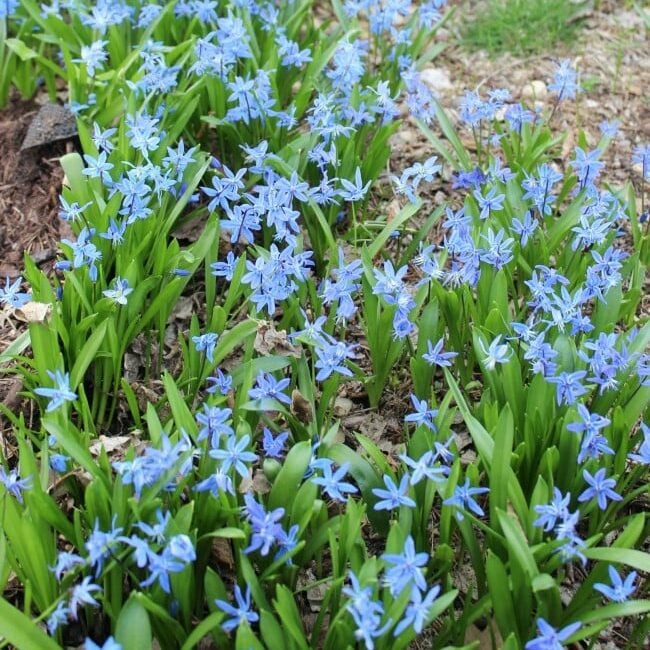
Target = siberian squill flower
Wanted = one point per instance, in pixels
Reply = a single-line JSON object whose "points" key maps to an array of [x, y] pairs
{"points": [[496, 352], [120, 291], [240, 614], [13, 484], [550, 638], [619, 590], [60, 393]]}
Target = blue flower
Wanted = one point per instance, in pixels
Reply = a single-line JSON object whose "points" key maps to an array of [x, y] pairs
{"points": [[600, 488], [11, 295], [98, 168], [406, 570], [61, 393], [423, 414], [590, 423], [417, 611], [568, 386], [216, 423], [58, 618], [216, 483], [234, 455], [463, 498], [93, 56], [160, 566], [225, 269], [354, 191], [499, 250], [268, 387], [587, 165], [524, 228], [425, 467], [221, 382], [156, 532], [331, 356], [240, 614], [496, 352], [365, 611], [274, 446], [491, 202], [82, 594], [550, 638], [120, 291], [13, 484], [65, 562], [556, 509], [332, 482], [99, 545], [642, 157], [206, 343], [620, 590], [266, 530], [435, 355], [565, 83], [394, 496], [110, 643]]}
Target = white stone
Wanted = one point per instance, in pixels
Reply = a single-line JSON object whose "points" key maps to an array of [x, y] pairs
{"points": [[436, 79], [535, 90]]}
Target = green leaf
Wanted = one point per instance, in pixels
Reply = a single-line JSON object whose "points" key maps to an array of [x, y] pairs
{"points": [[133, 628], [87, 356], [272, 633], [394, 224], [225, 533], [16, 347], [180, 411], [66, 438], [501, 463], [636, 559], [286, 484], [485, 447], [285, 605], [501, 595], [206, 626], [246, 639], [518, 546], [22, 51], [21, 631], [170, 625], [616, 610]]}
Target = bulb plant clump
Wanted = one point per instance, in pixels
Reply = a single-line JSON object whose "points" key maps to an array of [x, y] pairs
{"points": [[236, 151]]}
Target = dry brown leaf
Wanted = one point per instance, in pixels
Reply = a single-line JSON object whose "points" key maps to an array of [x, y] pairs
{"points": [[301, 407], [257, 482], [33, 312], [222, 552], [114, 445], [270, 341]]}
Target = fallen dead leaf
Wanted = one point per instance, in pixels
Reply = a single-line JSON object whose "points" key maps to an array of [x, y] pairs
{"points": [[270, 341], [258, 483], [33, 312], [301, 407], [112, 445]]}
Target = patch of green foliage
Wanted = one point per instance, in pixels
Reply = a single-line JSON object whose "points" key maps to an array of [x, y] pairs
{"points": [[521, 27]]}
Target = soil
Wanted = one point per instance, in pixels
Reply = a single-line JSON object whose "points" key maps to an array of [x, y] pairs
{"points": [[30, 182]]}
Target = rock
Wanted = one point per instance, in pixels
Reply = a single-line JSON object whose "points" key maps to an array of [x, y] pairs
{"points": [[52, 122], [535, 90], [342, 406], [436, 79]]}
